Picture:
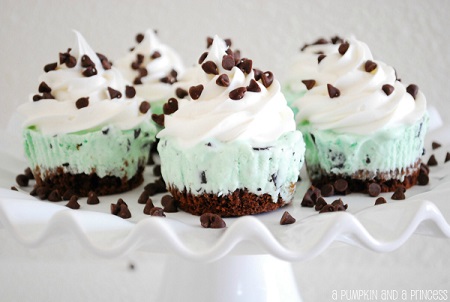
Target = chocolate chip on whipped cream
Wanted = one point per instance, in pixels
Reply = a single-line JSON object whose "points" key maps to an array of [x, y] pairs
{"points": [[320, 58], [196, 91], [43, 87], [267, 78], [90, 71], [412, 89], [86, 61], [139, 38], [343, 48], [203, 57], [171, 106], [228, 62], [50, 67], [130, 92], [210, 68], [82, 102], [370, 66], [333, 92], [66, 58], [388, 89], [257, 73], [114, 94], [253, 86], [144, 107], [223, 80], [245, 65], [156, 54], [158, 118], [309, 84], [209, 41], [181, 93], [106, 64], [170, 78], [238, 93]]}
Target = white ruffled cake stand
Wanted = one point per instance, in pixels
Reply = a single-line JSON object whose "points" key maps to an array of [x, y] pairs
{"points": [[250, 260]]}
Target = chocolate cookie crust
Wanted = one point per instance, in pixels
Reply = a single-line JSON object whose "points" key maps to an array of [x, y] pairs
{"points": [[82, 184], [238, 203]]}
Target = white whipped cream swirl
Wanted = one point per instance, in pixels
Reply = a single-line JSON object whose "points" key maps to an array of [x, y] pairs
{"points": [[158, 67], [61, 115], [362, 107], [259, 117]]}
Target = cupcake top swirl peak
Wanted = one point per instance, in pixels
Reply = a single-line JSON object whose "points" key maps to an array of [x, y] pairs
{"points": [[231, 101], [346, 90], [83, 92]]}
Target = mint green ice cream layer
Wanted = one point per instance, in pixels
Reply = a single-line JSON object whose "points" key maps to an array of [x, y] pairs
{"points": [[107, 152], [220, 168], [386, 151]]}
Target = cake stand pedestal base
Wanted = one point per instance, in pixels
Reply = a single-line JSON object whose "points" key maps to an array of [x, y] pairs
{"points": [[229, 279]]}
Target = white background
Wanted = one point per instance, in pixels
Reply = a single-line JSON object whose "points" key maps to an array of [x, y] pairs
{"points": [[412, 36]]}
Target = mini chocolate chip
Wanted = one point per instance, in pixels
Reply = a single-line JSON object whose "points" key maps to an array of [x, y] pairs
{"points": [[320, 203], [158, 118], [435, 145], [339, 205], [137, 132], [168, 79], [50, 67], [223, 80], [157, 211], [399, 194], [28, 173], [336, 40], [307, 201], [148, 206], [388, 89], [447, 157], [245, 65], [68, 194], [143, 197], [203, 178], [130, 92], [253, 86], [54, 196], [86, 61], [47, 96], [257, 74], [66, 58], [327, 209], [343, 48], [73, 203], [157, 170], [43, 87], [181, 93], [374, 189], [124, 212], [139, 58], [14, 188], [412, 90], [370, 66], [37, 98], [320, 41], [171, 106], [237, 56], [423, 178], [209, 42], [340, 185], [92, 198], [34, 192], [144, 107], [210, 67], [320, 58], [309, 84], [214, 221], [156, 54], [143, 72], [139, 37], [287, 218], [432, 161], [267, 78], [237, 94], [424, 168], [196, 91], [42, 192], [203, 57], [327, 190], [169, 203], [106, 64], [333, 92], [137, 81], [22, 180], [228, 62], [380, 200], [114, 94], [82, 102], [228, 42]]}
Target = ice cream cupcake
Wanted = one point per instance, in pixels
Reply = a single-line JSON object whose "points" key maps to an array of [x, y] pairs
{"points": [[86, 130], [359, 122], [230, 146], [153, 68]]}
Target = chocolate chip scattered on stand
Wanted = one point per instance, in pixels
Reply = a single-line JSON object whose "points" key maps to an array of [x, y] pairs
{"points": [[143, 198], [320, 203], [213, 221], [327, 190], [333, 92], [309, 83], [435, 145], [148, 207], [196, 91], [310, 197], [447, 157], [92, 198], [157, 211], [14, 188], [287, 219], [327, 209], [120, 209], [73, 203], [22, 180], [399, 194], [380, 200], [387, 89], [42, 192], [169, 203], [370, 66], [432, 161], [54, 196]]}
